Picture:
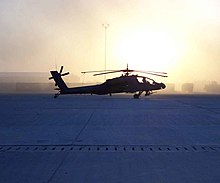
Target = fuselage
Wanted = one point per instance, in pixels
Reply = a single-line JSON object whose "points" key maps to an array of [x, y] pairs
{"points": [[122, 84]]}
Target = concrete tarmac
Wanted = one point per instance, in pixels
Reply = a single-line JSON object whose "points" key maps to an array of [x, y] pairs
{"points": [[161, 138]]}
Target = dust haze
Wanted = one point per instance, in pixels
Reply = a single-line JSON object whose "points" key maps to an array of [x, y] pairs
{"points": [[37, 35]]}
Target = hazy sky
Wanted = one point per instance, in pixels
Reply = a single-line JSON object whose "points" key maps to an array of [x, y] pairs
{"points": [[181, 37]]}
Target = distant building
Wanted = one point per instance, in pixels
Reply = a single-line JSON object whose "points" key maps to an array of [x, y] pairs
{"points": [[24, 77], [212, 87], [187, 87], [29, 82], [11, 82]]}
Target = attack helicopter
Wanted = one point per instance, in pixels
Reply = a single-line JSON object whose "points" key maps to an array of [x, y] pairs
{"points": [[126, 83]]}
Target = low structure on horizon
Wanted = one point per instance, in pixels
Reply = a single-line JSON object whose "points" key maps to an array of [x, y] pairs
{"points": [[212, 87], [37, 82], [187, 87]]}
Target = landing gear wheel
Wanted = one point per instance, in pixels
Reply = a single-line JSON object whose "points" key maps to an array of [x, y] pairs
{"points": [[147, 93], [136, 96]]}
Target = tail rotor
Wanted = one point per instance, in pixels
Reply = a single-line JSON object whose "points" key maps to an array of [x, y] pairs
{"points": [[60, 74]]}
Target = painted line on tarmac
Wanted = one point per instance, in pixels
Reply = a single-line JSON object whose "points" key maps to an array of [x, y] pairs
{"points": [[110, 148]]}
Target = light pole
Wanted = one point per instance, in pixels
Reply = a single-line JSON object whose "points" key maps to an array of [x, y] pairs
{"points": [[105, 27]]}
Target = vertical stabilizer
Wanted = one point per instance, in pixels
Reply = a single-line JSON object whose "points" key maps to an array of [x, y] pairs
{"points": [[59, 81]]}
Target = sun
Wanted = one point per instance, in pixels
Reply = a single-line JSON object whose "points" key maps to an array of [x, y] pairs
{"points": [[147, 50]]}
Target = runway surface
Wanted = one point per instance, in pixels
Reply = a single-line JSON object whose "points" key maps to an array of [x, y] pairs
{"points": [[161, 138]]}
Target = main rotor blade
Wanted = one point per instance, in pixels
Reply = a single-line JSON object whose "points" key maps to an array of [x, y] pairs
{"points": [[107, 72], [84, 72], [61, 69], [157, 74], [151, 72], [113, 71], [127, 70]]}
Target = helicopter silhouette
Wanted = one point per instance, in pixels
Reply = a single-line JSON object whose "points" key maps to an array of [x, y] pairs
{"points": [[126, 83]]}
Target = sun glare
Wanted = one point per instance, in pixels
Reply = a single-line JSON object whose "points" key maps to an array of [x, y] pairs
{"points": [[148, 50]]}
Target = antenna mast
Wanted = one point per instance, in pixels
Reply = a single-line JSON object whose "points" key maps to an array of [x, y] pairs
{"points": [[105, 27]]}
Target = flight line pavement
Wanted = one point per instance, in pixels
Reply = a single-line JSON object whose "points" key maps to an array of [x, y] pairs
{"points": [[161, 138]]}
